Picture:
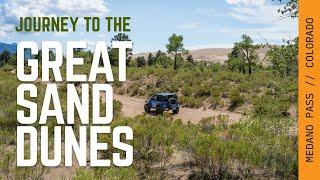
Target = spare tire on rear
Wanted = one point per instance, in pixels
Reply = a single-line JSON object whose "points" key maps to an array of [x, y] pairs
{"points": [[172, 101]]}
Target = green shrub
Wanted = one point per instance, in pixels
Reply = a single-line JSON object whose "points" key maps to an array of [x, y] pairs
{"points": [[203, 91], [270, 106], [236, 98], [211, 156]]}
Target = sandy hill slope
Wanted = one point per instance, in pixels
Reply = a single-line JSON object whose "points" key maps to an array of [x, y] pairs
{"points": [[210, 54]]}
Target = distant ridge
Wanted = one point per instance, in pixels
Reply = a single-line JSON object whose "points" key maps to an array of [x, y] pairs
{"points": [[12, 48], [209, 54]]}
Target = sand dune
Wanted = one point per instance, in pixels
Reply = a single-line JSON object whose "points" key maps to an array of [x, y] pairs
{"points": [[210, 54]]}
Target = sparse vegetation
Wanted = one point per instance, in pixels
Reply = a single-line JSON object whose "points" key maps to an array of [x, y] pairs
{"points": [[261, 145]]}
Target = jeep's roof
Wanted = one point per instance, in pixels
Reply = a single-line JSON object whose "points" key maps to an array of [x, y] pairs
{"points": [[165, 94]]}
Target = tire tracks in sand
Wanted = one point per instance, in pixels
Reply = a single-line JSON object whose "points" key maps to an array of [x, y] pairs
{"points": [[132, 106]]}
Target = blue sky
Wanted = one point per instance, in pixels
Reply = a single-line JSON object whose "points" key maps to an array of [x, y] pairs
{"points": [[203, 23]]}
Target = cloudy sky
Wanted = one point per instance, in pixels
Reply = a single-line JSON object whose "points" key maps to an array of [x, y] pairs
{"points": [[203, 23]]}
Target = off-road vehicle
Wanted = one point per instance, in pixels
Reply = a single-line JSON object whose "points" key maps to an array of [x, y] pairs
{"points": [[162, 102]]}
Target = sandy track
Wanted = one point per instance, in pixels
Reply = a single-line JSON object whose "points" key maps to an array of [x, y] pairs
{"points": [[132, 106]]}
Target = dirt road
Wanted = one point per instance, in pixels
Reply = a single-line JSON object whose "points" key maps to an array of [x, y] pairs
{"points": [[132, 106]]}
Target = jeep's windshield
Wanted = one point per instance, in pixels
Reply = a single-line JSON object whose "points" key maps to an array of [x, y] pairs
{"points": [[161, 98], [164, 98]]}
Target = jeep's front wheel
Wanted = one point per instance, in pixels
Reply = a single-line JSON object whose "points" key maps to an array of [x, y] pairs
{"points": [[175, 111], [159, 109], [146, 108]]}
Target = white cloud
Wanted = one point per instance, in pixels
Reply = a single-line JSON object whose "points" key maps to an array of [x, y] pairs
{"points": [[273, 34], [2, 33], [4, 28], [256, 15], [11, 10], [245, 11], [253, 11], [82, 7], [264, 21], [246, 2], [209, 12], [191, 25]]}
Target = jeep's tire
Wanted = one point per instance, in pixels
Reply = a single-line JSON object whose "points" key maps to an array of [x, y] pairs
{"points": [[146, 108], [175, 111], [159, 110]]}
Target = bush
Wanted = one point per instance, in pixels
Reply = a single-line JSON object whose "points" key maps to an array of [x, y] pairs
{"points": [[191, 102], [236, 99], [211, 156], [153, 144], [115, 173], [203, 91], [270, 106], [141, 61]]}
